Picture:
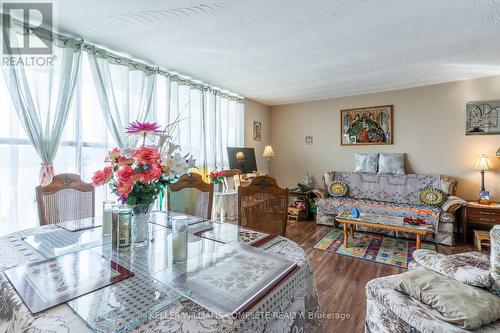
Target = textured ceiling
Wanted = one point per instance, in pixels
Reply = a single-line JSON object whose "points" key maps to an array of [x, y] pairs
{"points": [[285, 51]]}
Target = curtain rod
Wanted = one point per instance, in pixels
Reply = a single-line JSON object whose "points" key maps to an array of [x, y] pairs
{"points": [[46, 33]]}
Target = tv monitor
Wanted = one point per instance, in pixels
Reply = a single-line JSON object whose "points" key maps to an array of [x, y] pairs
{"points": [[242, 159]]}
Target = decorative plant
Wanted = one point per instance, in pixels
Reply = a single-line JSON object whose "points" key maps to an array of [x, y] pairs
{"points": [[216, 177], [138, 175]]}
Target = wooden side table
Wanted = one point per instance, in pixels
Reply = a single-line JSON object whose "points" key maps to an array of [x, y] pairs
{"points": [[479, 215]]}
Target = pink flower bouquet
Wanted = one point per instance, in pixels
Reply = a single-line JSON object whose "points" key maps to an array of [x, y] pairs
{"points": [[138, 175]]}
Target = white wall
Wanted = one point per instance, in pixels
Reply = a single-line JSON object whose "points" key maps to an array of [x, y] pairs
{"points": [[429, 126], [255, 111]]}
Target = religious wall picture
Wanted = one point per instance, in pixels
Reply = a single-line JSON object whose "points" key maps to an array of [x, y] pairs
{"points": [[257, 129], [367, 126], [482, 118]]}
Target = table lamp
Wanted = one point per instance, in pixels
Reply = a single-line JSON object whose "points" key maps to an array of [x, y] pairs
{"points": [[241, 159], [268, 152], [483, 163]]}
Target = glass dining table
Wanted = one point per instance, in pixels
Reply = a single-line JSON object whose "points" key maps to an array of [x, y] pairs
{"points": [[232, 280]]}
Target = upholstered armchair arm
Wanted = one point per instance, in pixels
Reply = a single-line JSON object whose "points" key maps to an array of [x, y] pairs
{"points": [[320, 193], [453, 203], [470, 268]]}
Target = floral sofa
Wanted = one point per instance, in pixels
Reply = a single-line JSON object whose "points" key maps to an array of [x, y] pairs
{"points": [[396, 195], [388, 310]]}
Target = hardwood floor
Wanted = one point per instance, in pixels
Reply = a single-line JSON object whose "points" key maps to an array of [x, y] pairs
{"points": [[340, 279]]}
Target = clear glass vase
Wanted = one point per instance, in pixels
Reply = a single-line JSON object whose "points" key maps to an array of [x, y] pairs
{"points": [[140, 224], [218, 187]]}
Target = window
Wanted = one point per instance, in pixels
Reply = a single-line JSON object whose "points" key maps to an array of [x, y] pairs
{"points": [[210, 122]]}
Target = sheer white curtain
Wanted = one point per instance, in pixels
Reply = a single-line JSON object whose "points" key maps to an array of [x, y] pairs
{"points": [[210, 121], [125, 91], [228, 131], [82, 149], [42, 95]]}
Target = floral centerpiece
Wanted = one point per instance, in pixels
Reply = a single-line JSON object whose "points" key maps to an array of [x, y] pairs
{"points": [[138, 175], [217, 178]]}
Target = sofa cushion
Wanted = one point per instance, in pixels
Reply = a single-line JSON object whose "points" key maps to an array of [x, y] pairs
{"points": [[453, 267], [391, 163], [432, 196], [337, 205], [452, 301], [366, 162], [337, 189]]}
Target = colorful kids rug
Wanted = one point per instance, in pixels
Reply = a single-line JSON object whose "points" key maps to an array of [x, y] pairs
{"points": [[372, 247]]}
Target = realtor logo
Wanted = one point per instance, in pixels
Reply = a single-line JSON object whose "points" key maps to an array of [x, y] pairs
{"points": [[27, 40]]}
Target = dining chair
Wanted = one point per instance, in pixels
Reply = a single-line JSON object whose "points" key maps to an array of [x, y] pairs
{"points": [[263, 206], [67, 197], [232, 178], [191, 195]]}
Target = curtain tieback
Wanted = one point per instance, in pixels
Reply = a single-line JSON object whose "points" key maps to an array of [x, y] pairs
{"points": [[46, 173]]}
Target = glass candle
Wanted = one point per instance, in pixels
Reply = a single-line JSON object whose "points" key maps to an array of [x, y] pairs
{"points": [[124, 231], [107, 217], [121, 233], [179, 238]]}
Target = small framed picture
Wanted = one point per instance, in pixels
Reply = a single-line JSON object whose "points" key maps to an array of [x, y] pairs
{"points": [[257, 129], [484, 197], [309, 140]]}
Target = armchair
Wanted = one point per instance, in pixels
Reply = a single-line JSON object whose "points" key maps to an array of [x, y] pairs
{"points": [[389, 310]]}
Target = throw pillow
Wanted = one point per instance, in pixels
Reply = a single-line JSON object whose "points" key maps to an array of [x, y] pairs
{"points": [[432, 197], [391, 163], [453, 268], [337, 189], [452, 301], [366, 162]]}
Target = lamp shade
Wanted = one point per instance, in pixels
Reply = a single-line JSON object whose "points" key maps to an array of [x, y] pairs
{"points": [[484, 163], [240, 157], [268, 152]]}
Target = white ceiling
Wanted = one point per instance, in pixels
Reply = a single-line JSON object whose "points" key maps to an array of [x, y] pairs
{"points": [[285, 51]]}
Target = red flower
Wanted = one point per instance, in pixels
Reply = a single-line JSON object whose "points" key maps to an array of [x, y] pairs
{"points": [[124, 188], [147, 155], [114, 155], [153, 173], [126, 174], [125, 161], [102, 176]]}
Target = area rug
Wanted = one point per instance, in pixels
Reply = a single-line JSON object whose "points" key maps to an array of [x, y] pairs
{"points": [[372, 247]]}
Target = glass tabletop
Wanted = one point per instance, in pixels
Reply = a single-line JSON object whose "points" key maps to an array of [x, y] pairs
{"points": [[121, 306], [59, 241], [228, 279], [170, 267]]}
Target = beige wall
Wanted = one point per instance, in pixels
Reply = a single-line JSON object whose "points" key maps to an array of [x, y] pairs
{"points": [[257, 112], [429, 126]]}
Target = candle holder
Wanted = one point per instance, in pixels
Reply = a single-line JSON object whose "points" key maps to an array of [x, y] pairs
{"points": [[179, 238]]}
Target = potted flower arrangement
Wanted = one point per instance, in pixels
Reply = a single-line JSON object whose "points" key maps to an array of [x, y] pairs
{"points": [[217, 178], [138, 175]]}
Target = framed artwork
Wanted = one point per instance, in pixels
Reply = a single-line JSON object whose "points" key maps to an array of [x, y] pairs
{"points": [[482, 118], [257, 128], [366, 126], [309, 140]]}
